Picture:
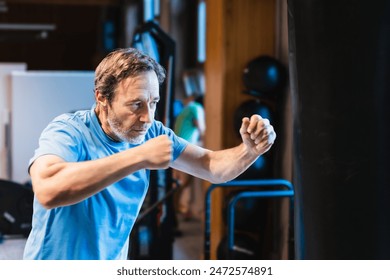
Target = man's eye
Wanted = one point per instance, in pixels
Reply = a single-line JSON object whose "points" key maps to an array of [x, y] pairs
{"points": [[136, 105]]}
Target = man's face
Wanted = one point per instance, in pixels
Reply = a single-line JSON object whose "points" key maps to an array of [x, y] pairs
{"points": [[132, 110]]}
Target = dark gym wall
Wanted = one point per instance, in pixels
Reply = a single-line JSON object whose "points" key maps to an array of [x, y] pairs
{"points": [[77, 43], [339, 73]]}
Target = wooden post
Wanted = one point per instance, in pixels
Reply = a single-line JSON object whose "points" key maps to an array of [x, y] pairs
{"points": [[237, 32]]}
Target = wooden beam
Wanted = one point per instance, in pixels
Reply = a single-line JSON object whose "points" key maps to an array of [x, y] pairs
{"points": [[237, 32], [215, 69]]}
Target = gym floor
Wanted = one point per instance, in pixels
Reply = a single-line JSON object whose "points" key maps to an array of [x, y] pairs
{"points": [[11, 247], [189, 246]]}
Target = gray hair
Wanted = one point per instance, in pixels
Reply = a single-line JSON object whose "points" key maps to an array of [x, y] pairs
{"points": [[121, 64]]}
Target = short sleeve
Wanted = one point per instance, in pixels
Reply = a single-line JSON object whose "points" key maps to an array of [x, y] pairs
{"points": [[59, 138]]}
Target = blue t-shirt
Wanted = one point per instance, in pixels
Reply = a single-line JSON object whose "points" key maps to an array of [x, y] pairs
{"points": [[99, 226]]}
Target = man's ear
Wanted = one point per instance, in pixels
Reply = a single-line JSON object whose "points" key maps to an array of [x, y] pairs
{"points": [[100, 98]]}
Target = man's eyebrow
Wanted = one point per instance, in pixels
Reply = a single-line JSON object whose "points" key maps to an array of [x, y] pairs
{"points": [[133, 101]]}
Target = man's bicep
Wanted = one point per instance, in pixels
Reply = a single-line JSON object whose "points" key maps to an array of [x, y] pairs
{"points": [[43, 163], [193, 160]]}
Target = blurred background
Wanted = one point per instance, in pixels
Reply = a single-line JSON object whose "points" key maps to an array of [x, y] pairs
{"points": [[319, 70], [231, 54]]}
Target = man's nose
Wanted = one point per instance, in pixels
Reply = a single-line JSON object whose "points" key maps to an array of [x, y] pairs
{"points": [[147, 115]]}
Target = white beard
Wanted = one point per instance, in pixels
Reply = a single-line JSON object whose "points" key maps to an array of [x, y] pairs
{"points": [[124, 135]]}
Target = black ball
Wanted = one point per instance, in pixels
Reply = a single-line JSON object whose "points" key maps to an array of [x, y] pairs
{"points": [[264, 75]]}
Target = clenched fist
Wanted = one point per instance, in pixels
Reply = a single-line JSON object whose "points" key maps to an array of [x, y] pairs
{"points": [[157, 152], [257, 134]]}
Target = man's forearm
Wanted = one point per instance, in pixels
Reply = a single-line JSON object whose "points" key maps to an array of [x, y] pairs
{"points": [[59, 183], [226, 165], [63, 183]]}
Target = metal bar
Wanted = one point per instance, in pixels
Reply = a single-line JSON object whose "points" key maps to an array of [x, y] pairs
{"points": [[234, 183], [246, 194]]}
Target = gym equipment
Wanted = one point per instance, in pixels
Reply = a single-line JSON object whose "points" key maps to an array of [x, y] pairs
{"points": [[159, 202], [250, 212], [263, 183], [152, 40], [246, 248], [16, 208], [340, 89], [158, 216], [264, 76], [142, 235]]}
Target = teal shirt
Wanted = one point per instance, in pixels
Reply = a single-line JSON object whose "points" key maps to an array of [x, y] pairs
{"points": [[184, 123], [99, 226]]}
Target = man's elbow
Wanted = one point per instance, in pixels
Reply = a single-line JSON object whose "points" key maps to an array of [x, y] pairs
{"points": [[47, 201], [47, 198]]}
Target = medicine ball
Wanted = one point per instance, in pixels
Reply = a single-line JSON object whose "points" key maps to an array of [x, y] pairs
{"points": [[264, 75]]}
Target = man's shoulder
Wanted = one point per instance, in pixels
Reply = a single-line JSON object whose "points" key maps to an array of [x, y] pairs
{"points": [[73, 117], [71, 121], [156, 127]]}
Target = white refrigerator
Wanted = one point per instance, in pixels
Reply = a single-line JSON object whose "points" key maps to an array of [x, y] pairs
{"points": [[5, 103], [36, 98]]}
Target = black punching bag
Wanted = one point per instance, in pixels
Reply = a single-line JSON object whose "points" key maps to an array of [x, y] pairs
{"points": [[340, 84]]}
